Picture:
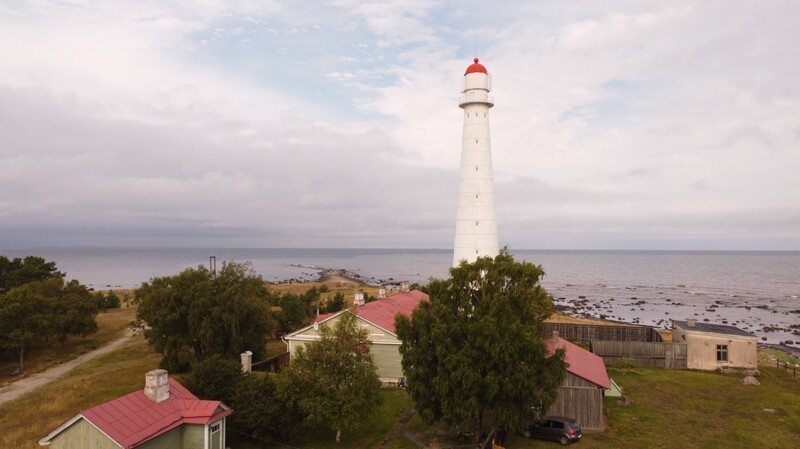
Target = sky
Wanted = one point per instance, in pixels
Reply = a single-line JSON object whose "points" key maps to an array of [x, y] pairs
{"points": [[617, 124]]}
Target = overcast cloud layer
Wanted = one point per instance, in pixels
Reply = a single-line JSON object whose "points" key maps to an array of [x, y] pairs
{"points": [[623, 125]]}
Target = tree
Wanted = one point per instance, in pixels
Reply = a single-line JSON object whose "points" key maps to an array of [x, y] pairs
{"points": [[336, 303], [476, 348], [34, 312], [196, 314], [292, 314], [335, 378], [107, 301], [74, 310], [216, 378], [265, 408], [18, 272]]}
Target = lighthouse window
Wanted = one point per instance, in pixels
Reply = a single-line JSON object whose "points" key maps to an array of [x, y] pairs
{"points": [[476, 196], [476, 168], [476, 223], [476, 140]]}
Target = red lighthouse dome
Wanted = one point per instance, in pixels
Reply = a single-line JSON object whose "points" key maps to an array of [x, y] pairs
{"points": [[476, 68]]}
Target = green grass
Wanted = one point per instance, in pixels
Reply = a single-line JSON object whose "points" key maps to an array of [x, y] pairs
{"points": [[764, 359], [31, 417], [402, 443], [693, 409], [275, 347]]}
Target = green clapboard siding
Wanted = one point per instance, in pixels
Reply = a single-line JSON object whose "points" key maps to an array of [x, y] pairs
{"points": [[193, 436], [387, 359], [82, 435], [170, 440]]}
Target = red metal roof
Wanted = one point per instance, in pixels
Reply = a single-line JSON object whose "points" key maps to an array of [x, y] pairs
{"points": [[476, 68], [133, 419], [581, 362], [383, 311]]}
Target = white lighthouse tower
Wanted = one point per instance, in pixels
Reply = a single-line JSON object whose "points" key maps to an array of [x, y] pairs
{"points": [[476, 221]]}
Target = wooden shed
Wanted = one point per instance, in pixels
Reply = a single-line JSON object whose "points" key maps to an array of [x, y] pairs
{"points": [[581, 395]]}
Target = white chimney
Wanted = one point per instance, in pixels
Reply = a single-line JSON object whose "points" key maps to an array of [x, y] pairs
{"points": [[156, 385], [691, 322], [247, 362], [555, 337], [359, 298], [403, 286], [382, 292]]}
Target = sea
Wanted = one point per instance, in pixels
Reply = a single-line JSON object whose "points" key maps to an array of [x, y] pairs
{"points": [[758, 291]]}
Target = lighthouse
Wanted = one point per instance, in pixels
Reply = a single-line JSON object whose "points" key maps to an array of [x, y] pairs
{"points": [[476, 221]]}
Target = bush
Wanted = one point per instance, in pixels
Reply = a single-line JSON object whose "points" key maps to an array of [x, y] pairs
{"points": [[216, 379], [263, 409]]}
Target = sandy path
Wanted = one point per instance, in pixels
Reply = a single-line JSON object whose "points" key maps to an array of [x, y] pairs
{"points": [[28, 384]]}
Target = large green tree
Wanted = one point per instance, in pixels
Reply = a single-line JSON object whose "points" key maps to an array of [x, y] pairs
{"points": [[476, 348], [335, 379], [37, 311], [20, 271], [196, 314]]}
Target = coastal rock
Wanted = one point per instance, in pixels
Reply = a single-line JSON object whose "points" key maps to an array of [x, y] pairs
{"points": [[770, 410], [750, 380]]}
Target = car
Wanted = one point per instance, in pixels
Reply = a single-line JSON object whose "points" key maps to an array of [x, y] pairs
{"points": [[557, 428]]}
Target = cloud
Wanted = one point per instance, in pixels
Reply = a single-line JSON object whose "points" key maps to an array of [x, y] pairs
{"points": [[336, 124]]}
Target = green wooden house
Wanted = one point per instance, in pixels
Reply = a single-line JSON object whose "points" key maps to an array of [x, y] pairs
{"points": [[377, 318], [165, 415]]}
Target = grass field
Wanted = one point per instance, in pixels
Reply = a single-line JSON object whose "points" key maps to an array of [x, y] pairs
{"points": [[110, 326], [693, 409], [346, 287]]}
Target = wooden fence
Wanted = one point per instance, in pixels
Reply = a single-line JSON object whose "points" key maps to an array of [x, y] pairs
{"points": [[666, 355], [585, 333], [790, 368], [273, 365]]}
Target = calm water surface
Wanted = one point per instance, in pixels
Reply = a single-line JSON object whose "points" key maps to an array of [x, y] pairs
{"points": [[672, 284]]}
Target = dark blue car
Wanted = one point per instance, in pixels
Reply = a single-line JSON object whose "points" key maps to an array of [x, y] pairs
{"points": [[556, 428]]}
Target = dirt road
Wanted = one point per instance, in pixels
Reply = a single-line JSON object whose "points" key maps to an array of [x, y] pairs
{"points": [[28, 384]]}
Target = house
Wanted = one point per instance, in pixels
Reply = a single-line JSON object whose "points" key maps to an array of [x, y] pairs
{"points": [[716, 346], [163, 415], [378, 318], [581, 395]]}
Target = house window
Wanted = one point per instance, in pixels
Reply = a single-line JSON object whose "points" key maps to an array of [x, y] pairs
{"points": [[722, 353], [214, 428]]}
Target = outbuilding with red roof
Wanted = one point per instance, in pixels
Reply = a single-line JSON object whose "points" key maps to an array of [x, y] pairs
{"points": [[581, 395]]}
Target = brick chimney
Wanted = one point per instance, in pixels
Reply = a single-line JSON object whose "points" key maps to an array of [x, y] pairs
{"points": [[156, 385], [691, 322], [247, 361], [359, 298], [403, 286]]}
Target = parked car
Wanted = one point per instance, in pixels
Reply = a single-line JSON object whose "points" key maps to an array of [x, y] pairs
{"points": [[556, 428]]}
